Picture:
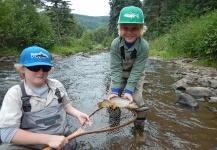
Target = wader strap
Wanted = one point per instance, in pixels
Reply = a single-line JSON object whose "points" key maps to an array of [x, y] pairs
{"points": [[25, 98], [122, 52], [57, 93], [133, 54]]}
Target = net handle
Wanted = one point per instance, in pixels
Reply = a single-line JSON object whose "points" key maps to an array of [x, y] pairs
{"points": [[104, 130], [81, 132]]}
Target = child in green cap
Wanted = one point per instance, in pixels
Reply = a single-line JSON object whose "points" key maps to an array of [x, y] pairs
{"points": [[128, 56]]}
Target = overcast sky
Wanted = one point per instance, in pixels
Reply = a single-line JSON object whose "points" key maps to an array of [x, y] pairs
{"points": [[90, 7]]}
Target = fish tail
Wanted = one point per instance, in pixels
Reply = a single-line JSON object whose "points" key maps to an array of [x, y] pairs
{"points": [[114, 106], [99, 105]]}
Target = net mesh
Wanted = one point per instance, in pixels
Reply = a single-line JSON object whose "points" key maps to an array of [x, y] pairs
{"points": [[104, 119], [108, 117]]}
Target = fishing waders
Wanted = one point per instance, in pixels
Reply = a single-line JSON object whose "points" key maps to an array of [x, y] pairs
{"points": [[139, 124]]}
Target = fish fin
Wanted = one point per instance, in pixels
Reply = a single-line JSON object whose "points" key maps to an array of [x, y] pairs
{"points": [[128, 107], [114, 106], [99, 105]]}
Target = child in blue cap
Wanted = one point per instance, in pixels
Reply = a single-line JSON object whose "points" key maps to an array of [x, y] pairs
{"points": [[33, 113]]}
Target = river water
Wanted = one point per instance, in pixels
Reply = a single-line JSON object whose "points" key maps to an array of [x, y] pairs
{"points": [[167, 127]]}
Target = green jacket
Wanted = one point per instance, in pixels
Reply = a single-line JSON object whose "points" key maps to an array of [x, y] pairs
{"points": [[116, 61]]}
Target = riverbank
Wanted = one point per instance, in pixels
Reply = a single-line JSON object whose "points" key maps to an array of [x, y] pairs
{"points": [[186, 64], [16, 58]]}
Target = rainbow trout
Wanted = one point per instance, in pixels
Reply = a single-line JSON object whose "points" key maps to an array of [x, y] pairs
{"points": [[117, 102]]}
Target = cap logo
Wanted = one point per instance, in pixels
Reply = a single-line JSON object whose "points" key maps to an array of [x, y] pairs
{"points": [[39, 55], [131, 15]]}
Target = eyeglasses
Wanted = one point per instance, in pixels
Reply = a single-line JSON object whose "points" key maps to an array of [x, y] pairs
{"points": [[37, 68]]}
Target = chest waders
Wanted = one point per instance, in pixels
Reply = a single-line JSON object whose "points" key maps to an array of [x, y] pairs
{"points": [[49, 120], [138, 129]]}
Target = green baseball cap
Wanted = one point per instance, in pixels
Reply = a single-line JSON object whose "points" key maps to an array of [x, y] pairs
{"points": [[131, 15]]}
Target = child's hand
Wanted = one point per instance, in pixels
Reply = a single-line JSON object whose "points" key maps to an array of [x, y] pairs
{"points": [[84, 119], [129, 97], [112, 96], [57, 142]]}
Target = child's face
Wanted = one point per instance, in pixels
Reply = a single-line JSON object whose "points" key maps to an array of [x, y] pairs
{"points": [[35, 79], [130, 32]]}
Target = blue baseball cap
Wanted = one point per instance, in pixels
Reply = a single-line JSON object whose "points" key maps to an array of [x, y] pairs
{"points": [[34, 56]]}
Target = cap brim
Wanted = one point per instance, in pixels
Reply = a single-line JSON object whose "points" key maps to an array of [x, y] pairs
{"points": [[37, 64]]}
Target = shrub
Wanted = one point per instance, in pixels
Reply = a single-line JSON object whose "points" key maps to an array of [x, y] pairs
{"points": [[196, 37]]}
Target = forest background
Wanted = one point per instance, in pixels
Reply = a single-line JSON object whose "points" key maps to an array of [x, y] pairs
{"points": [[175, 27]]}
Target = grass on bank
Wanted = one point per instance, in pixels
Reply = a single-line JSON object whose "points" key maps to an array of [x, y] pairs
{"points": [[10, 52], [71, 50], [63, 50], [159, 47], [60, 50]]}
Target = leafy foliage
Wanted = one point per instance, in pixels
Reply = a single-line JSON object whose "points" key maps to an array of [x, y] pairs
{"points": [[182, 27], [197, 37], [161, 14], [87, 39], [100, 34], [21, 25]]}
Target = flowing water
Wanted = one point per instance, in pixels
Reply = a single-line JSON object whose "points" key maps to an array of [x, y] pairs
{"points": [[168, 126]]}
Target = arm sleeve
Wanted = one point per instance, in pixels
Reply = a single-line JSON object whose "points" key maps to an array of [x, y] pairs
{"points": [[7, 134], [115, 65], [11, 110]]}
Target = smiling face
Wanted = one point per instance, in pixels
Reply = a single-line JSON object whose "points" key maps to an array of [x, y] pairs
{"points": [[34, 79], [130, 32]]}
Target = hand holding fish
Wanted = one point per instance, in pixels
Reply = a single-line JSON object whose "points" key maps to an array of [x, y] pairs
{"points": [[117, 102], [128, 97], [111, 96]]}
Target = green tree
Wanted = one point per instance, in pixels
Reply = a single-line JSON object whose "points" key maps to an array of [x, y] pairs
{"points": [[100, 34], [156, 19], [21, 25], [161, 14], [88, 39], [79, 30], [60, 14]]}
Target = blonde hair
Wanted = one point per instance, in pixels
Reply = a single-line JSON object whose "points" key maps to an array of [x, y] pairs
{"points": [[18, 67], [142, 28]]}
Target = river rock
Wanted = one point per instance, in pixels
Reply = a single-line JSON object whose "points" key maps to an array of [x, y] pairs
{"points": [[181, 84], [187, 100], [198, 92], [213, 100], [213, 83]]}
